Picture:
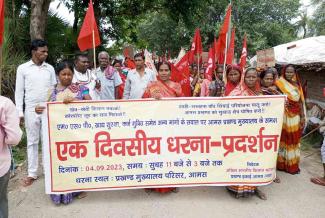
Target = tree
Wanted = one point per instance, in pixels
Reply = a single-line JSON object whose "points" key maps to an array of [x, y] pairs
{"points": [[161, 33], [303, 23], [267, 23], [38, 18], [318, 19]]}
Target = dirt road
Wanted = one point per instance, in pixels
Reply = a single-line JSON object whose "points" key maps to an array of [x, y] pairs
{"points": [[294, 197]]}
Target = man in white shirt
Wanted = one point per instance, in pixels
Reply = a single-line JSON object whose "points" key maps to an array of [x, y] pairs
{"points": [[109, 78], [35, 80], [138, 79], [82, 75]]}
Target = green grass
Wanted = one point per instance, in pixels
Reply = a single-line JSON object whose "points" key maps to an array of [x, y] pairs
{"points": [[19, 151], [314, 139]]}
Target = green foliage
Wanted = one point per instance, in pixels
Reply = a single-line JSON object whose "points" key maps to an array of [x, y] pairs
{"points": [[161, 33], [15, 50], [11, 58], [267, 23], [317, 26], [61, 39], [19, 151]]}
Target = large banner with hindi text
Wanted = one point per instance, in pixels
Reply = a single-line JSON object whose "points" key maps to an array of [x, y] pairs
{"points": [[103, 145]]}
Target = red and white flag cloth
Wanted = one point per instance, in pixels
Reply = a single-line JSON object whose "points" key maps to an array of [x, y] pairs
{"points": [[149, 62], [223, 34], [211, 64], [181, 75], [196, 48]]}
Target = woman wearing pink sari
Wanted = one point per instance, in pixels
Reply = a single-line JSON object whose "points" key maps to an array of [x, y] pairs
{"points": [[161, 88], [249, 86]]}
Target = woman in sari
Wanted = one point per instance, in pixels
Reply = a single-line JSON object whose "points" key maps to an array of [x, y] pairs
{"points": [[293, 121], [199, 82], [117, 64], [161, 88], [217, 86], [268, 78], [268, 87], [249, 86], [67, 92], [233, 74]]}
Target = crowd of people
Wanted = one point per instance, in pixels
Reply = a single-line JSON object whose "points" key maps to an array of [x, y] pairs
{"points": [[38, 82]]}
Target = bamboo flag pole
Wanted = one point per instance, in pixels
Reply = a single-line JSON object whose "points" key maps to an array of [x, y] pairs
{"points": [[224, 62], [198, 65], [215, 60], [94, 50], [226, 48], [0, 70]]}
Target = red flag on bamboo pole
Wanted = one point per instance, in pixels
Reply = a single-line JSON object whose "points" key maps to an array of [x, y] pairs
{"points": [[2, 20], [231, 49], [196, 48], [181, 75], [89, 35], [223, 34], [243, 56], [185, 61]]}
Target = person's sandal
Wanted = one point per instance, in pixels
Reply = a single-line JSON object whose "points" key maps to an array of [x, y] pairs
{"points": [[28, 181], [318, 181], [260, 194], [277, 180], [82, 195]]}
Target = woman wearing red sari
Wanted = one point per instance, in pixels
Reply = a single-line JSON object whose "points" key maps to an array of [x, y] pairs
{"points": [[233, 74], [249, 86], [161, 88], [293, 121], [117, 64]]}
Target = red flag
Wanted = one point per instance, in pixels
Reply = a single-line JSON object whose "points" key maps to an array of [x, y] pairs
{"points": [[185, 61], [225, 27], [223, 35], [217, 49], [243, 56], [231, 49], [85, 38], [129, 63], [181, 75], [211, 64], [2, 20], [196, 48]]}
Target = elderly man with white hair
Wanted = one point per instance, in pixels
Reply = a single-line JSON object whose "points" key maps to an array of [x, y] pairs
{"points": [[108, 76]]}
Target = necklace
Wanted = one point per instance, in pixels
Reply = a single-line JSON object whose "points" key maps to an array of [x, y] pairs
{"points": [[78, 75]]}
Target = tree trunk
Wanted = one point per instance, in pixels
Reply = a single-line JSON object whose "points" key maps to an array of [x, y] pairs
{"points": [[38, 18], [76, 10]]}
